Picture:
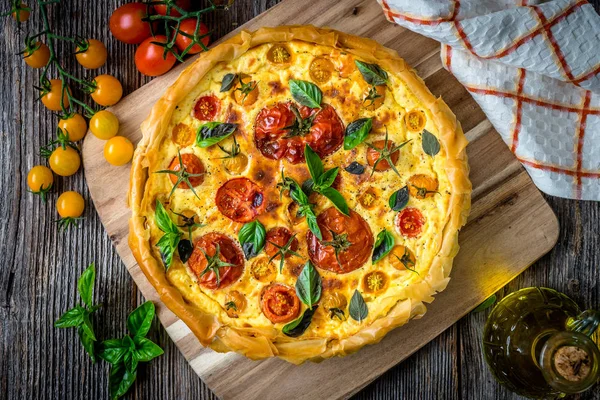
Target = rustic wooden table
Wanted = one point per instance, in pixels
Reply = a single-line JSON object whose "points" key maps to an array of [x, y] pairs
{"points": [[39, 265]]}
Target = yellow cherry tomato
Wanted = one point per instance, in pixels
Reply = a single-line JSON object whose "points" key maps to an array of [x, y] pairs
{"points": [[75, 126], [104, 125], [51, 98], [108, 90], [21, 14], [95, 55], [70, 205], [65, 162], [118, 150], [38, 56], [40, 180]]}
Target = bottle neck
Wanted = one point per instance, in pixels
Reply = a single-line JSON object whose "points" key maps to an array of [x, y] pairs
{"points": [[570, 362]]}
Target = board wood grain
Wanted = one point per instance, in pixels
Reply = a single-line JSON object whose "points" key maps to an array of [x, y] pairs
{"points": [[509, 228]]}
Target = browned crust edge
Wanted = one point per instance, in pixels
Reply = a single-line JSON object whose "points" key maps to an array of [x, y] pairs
{"points": [[209, 331]]}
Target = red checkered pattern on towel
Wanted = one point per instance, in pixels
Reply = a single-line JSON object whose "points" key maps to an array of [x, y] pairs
{"points": [[534, 68]]}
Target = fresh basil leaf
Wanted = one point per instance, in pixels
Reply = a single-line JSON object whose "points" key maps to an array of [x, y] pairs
{"points": [[120, 380], [298, 195], [431, 146], [140, 319], [73, 317], [372, 73], [356, 132], [383, 245], [307, 186], [314, 163], [85, 284], [167, 245], [87, 325], [213, 132], [228, 81], [306, 93], [252, 238], [355, 168], [163, 220], [131, 363], [87, 342], [112, 350], [311, 219], [486, 304], [399, 199], [358, 309], [337, 199], [327, 178], [146, 349], [185, 249], [308, 285], [299, 326]]}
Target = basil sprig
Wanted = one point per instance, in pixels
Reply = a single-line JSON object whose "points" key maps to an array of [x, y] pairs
{"points": [[169, 242], [228, 81], [356, 132], [305, 208], [372, 73], [358, 309], [431, 146], [126, 353], [383, 245], [308, 288], [252, 238], [213, 132], [399, 199], [309, 285], [79, 316], [322, 180], [306, 93]]}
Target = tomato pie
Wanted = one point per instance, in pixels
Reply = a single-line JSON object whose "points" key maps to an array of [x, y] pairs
{"points": [[298, 193]]}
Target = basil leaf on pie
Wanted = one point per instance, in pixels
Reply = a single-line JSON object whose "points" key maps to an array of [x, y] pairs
{"points": [[358, 309], [356, 132], [372, 73], [306, 93], [252, 238], [383, 245], [431, 146], [213, 132]]}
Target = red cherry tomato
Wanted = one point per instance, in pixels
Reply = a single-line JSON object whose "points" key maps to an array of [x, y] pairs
{"points": [[325, 135], [279, 303], [229, 252], [240, 200], [188, 26], [359, 236], [150, 59], [410, 222], [279, 236], [126, 23], [207, 107], [183, 4], [192, 165], [373, 155]]}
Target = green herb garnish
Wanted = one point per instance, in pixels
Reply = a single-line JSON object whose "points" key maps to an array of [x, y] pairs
{"points": [[358, 309], [252, 238], [431, 146], [306, 93], [79, 316], [213, 132], [372, 73], [383, 245], [308, 285], [228, 81], [356, 132], [305, 208], [399, 199], [322, 180], [168, 243]]}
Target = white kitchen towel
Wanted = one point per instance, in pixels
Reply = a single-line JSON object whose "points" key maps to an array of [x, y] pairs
{"points": [[534, 68]]}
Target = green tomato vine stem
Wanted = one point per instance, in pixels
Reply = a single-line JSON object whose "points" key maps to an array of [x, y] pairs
{"points": [[64, 75]]}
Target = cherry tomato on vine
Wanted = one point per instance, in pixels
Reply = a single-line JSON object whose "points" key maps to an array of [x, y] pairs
{"points": [[126, 23], [95, 55], [75, 126], [149, 57], [104, 125], [188, 26], [51, 98], [40, 180], [162, 8], [64, 162], [108, 90], [118, 151], [70, 204], [38, 56], [21, 14]]}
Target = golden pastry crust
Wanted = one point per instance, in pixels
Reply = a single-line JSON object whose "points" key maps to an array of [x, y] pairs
{"points": [[261, 343]]}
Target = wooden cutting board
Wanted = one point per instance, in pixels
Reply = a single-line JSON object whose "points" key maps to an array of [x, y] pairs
{"points": [[510, 225]]}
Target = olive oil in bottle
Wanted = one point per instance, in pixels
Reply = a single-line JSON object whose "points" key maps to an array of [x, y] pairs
{"points": [[537, 343]]}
